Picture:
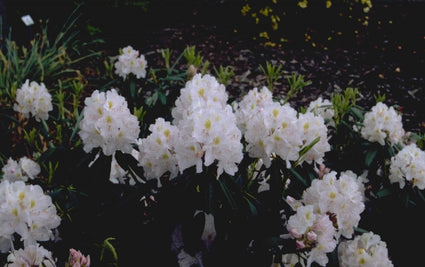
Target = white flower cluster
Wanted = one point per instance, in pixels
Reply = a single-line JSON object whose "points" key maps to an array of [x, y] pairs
{"points": [[204, 132], [129, 62], [31, 255], [33, 99], [382, 124], [314, 232], [157, 155], [342, 197], [27, 211], [23, 170], [323, 107], [108, 123], [408, 165], [271, 128], [336, 204], [365, 250]]}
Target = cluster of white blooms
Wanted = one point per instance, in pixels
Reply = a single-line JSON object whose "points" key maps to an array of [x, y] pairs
{"points": [[108, 123], [323, 107], [31, 255], [314, 232], [157, 155], [365, 250], [253, 102], [129, 62], [23, 170], [33, 99], [334, 205], [27, 211], [271, 128], [207, 124], [381, 124], [343, 198], [204, 132], [408, 165], [199, 94], [313, 127]]}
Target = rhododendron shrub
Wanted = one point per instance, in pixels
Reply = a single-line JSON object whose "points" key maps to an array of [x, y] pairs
{"points": [[257, 178]]}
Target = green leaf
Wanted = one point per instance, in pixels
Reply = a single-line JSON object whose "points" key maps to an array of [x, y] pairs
{"points": [[252, 208], [298, 176], [370, 156], [384, 192], [228, 195]]}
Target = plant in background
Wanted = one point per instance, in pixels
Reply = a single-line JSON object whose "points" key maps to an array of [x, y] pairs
{"points": [[296, 83], [165, 82], [194, 61], [272, 74], [224, 74]]}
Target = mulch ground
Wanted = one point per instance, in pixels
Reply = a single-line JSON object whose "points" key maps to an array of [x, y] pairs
{"points": [[389, 60]]}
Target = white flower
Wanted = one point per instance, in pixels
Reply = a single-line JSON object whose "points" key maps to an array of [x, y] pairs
{"points": [[253, 102], [208, 130], [209, 233], [31, 255], [408, 165], [108, 123], [30, 167], [273, 129], [20, 171], [382, 124], [184, 259], [343, 197], [157, 155], [365, 250], [33, 99], [129, 62], [313, 127], [27, 211], [323, 107], [313, 232], [199, 93]]}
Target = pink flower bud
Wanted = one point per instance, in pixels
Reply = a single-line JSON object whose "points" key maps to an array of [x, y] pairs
{"points": [[311, 236], [77, 259], [300, 244], [294, 233]]}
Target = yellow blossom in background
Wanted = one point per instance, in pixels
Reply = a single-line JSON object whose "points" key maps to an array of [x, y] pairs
{"points": [[328, 4], [303, 4], [275, 21], [264, 35], [269, 15], [245, 9], [265, 11]]}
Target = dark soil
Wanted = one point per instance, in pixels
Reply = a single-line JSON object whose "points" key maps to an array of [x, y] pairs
{"points": [[388, 60]]}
